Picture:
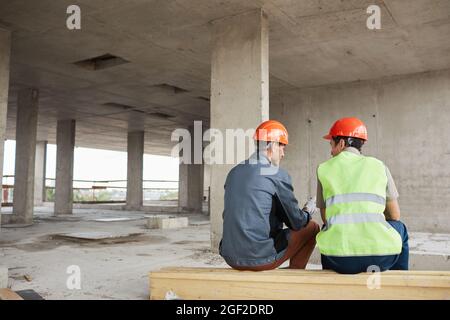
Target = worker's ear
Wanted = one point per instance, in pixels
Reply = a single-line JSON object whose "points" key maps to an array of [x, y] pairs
{"points": [[269, 149], [341, 144]]}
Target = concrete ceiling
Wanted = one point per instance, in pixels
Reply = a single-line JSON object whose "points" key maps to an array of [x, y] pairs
{"points": [[167, 44]]}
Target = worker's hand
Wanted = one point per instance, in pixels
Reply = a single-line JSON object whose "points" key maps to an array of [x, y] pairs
{"points": [[310, 206]]}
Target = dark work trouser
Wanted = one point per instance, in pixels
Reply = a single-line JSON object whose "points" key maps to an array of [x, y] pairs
{"points": [[351, 265], [300, 247]]}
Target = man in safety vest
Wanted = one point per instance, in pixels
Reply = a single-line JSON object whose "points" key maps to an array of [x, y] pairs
{"points": [[258, 199], [357, 198]]}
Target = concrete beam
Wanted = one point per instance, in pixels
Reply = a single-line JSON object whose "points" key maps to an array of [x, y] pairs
{"points": [[135, 170], [26, 130], [5, 50], [239, 90], [190, 181], [39, 172], [65, 144]]}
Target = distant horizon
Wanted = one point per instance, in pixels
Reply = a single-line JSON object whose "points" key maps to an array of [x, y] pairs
{"points": [[99, 164]]}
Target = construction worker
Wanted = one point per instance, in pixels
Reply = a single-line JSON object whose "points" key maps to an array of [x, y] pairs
{"points": [[258, 199], [357, 198]]}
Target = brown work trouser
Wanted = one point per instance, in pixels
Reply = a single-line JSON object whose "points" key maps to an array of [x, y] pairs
{"points": [[300, 247]]}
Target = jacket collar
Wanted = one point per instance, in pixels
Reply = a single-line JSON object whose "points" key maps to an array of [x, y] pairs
{"points": [[259, 158], [352, 150]]}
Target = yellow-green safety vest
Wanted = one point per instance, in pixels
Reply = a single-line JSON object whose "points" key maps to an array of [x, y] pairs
{"points": [[354, 190]]}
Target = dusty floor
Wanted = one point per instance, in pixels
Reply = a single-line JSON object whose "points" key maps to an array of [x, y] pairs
{"points": [[110, 269], [118, 268]]}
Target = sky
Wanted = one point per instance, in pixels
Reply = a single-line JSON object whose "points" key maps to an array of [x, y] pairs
{"points": [[96, 164]]}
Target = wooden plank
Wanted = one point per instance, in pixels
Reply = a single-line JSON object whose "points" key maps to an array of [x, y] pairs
{"points": [[301, 271], [8, 294], [312, 277], [215, 283]]}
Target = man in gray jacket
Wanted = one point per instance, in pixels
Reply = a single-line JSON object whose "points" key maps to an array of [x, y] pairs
{"points": [[259, 199]]}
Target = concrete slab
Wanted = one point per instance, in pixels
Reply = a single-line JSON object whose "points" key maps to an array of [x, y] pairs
{"points": [[169, 208], [59, 218], [164, 222], [96, 235], [430, 243], [429, 251], [423, 261], [116, 219], [199, 223], [160, 209], [106, 264]]}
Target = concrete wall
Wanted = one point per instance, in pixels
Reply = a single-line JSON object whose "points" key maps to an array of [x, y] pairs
{"points": [[408, 122]]}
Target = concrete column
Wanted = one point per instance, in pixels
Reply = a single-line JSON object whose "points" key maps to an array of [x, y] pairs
{"points": [[207, 185], [26, 130], [39, 172], [65, 145], [135, 170], [190, 182], [239, 90], [5, 49]]}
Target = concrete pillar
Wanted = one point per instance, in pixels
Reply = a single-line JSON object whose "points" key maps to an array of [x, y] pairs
{"points": [[135, 170], [39, 172], [65, 145], [207, 185], [239, 90], [190, 182], [5, 49], [26, 130]]}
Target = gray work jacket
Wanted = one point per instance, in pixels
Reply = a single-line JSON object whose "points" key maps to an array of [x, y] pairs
{"points": [[258, 199]]}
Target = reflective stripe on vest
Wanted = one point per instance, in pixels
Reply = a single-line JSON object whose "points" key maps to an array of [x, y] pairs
{"points": [[357, 218], [352, 197]]}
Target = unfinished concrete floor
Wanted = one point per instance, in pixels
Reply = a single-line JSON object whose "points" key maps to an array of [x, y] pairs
{"points": [[117, 268], [110, 268]]}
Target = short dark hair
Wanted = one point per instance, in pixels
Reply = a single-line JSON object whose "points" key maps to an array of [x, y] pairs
{"points": [[265, 144], [350, 141]]}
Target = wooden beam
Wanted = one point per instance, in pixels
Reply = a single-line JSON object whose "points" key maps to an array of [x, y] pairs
{"points": [[215, 283]]}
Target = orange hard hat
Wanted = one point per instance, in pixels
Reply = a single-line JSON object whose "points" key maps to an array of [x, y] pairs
{"points": [[271, 131], [348, 127]]}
